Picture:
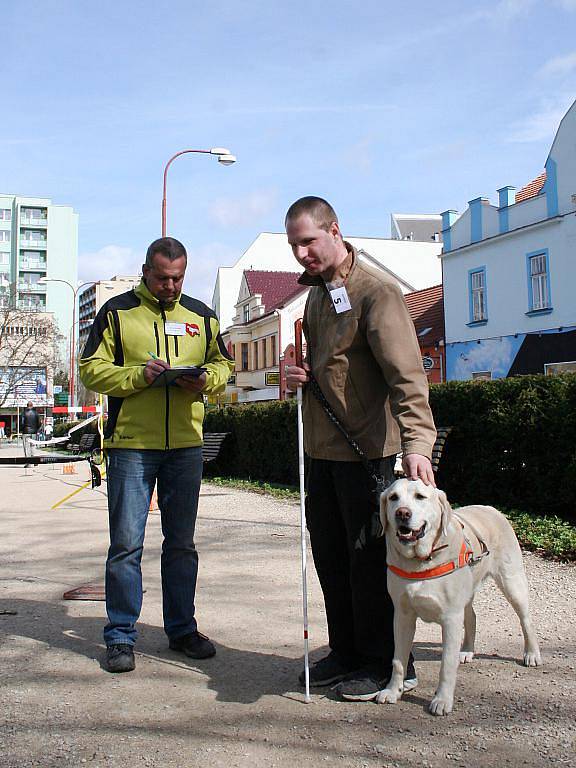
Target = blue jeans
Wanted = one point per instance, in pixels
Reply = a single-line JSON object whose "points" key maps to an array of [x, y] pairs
{"points": [[131, 477]]}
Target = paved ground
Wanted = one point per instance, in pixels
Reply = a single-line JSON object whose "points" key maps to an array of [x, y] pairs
{"points": [[244, 708]]}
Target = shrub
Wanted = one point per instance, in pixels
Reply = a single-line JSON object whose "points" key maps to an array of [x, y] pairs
{"points": [[513, 443]]}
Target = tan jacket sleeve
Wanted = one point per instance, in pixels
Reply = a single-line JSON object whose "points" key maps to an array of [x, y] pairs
{"points": [[392, 339]]}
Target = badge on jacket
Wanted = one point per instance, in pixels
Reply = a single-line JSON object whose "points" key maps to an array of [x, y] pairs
{"points": [[192, 329], [174, 329], [340, 300]]}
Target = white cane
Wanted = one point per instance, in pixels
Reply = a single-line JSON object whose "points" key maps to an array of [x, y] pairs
{"points": [[298, 350]]}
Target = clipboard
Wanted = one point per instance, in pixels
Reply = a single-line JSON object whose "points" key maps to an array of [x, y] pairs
{"points": [[169, 375]]}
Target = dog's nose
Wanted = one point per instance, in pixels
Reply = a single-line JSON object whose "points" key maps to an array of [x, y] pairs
{"points": [[403, 513]]}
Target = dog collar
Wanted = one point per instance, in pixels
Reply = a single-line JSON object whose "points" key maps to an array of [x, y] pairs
{"points": [[464, 558]]}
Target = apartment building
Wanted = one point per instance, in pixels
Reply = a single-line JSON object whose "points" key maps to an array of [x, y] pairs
{"points": [[38, 240]]}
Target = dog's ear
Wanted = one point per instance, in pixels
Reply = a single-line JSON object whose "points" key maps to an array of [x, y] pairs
{"points": [[445, 510], [383, 512]]}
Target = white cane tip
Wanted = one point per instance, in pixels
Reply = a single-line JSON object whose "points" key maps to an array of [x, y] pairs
{"points": [[307, 699]]}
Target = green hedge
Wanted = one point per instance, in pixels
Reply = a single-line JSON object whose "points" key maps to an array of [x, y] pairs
{"points": [[513, 442]]}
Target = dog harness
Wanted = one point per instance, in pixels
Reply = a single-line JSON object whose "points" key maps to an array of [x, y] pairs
{"points": [[465, 557]]}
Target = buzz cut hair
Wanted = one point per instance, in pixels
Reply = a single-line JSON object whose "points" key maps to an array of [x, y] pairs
{"points": [[319, 210], [169, 247]]}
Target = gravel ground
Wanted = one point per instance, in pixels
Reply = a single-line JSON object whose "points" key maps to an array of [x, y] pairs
{"points": [[244, 707]]}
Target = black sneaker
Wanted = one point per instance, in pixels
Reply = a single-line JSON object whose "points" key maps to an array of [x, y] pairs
{"points": [[120, 658], [331, 669], [367, 683], [195, 645]]}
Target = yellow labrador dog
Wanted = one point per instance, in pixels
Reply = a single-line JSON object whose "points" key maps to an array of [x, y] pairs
{"points": [[437, 558]]}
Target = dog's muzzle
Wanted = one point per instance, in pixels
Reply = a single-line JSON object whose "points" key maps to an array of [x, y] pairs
{"points": [[406, 534]]}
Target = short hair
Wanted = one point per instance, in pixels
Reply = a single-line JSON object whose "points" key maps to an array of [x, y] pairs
{"points": [[319, 210], [167, 246]]}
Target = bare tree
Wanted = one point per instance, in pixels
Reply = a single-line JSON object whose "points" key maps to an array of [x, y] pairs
{"points": [[29, 341]]}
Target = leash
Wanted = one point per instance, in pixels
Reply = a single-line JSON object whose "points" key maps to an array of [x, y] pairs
{"points": [[379, 481]]}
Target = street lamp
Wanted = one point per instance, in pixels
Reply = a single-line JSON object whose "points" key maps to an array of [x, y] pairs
{"points": [[223, 155], [45, 280]]}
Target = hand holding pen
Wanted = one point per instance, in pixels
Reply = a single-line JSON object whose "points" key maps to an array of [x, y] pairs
{"points": [[154, 367]]}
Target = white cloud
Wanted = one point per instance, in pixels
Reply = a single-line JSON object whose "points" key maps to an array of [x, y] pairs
{"points": [[543, 122], [230, 212], [109, 261], [568, 5], [203, 263], [559, 65]]}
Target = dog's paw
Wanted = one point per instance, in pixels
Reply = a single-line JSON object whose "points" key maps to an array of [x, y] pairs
{"points": [[388, 696], [440, 706], [532, 659], [466, 657]]}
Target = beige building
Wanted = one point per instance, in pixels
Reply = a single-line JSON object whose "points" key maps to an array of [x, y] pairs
{"points": [[97, 294], [268, 305]]}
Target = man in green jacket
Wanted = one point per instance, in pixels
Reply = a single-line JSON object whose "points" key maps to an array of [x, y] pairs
{"points": [[153, 437], [363, 352]]}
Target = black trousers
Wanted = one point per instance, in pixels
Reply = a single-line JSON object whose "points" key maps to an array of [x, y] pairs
{"points": [[350, 557]]}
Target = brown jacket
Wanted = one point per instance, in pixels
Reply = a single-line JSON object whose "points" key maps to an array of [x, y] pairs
{"points": [[368, 364]]}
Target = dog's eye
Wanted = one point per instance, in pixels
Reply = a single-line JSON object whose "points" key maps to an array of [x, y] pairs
{"points": [[393, 497], [420, 496]]}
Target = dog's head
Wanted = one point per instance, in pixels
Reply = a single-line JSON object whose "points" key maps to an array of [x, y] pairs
{"points": [[412, 515]]}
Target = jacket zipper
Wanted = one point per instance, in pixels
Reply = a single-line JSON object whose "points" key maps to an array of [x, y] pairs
{"points": [[167, 387], [176, 346], [157, 338]]}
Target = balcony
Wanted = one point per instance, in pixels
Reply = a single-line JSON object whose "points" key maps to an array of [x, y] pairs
{"points": [[32, 306], [34, 266], [31, 287], [26, 243], [29, 221]]}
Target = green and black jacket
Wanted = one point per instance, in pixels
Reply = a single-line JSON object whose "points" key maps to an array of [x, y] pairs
{"points": [[126, 330]]}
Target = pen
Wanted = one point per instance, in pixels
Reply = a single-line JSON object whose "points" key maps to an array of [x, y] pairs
{"points": [[153, 356]]}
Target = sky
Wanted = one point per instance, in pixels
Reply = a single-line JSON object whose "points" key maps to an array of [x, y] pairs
{"points": [[379, 107]]}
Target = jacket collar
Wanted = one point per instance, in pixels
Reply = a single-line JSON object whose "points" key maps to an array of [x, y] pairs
{"points": [[343, 271], [142, 291]]}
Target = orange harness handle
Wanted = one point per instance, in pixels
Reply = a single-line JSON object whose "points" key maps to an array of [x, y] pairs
{"points": [[464, 558]]}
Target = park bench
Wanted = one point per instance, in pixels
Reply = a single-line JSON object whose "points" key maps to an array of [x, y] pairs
{"points": [[437, 450], [212, 444], [88, 442]]}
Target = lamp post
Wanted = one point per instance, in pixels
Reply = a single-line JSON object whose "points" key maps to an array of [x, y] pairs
{"points": [[223, 155], [44, 280]]}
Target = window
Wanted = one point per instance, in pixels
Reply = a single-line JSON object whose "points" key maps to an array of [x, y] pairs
{"points": [[5, 214], [4, 258], [256, 344], [244, 357], [273, 349], [538, 282], [246, 313], [477, 295], [553, 369], [4, 235]]}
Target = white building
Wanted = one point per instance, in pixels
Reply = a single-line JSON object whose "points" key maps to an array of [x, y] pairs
{"points": [[39, 240], [509, 274], [415, 264]]}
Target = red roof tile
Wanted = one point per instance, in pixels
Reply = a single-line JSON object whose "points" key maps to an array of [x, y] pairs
{"points": [[426, 309], [274, 287], [532, 189]]}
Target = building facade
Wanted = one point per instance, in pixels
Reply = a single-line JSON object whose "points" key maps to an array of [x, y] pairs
{"points": [[38, 240], [97, 294], [415, 264], [268, 305], [426, 309], [509, 273]]}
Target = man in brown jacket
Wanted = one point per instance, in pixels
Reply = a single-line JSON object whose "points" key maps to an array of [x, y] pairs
{"points": [[363, 352]]}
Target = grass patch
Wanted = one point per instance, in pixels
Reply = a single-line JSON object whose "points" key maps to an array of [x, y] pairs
{"points": [[550, 537], [277, 490]]}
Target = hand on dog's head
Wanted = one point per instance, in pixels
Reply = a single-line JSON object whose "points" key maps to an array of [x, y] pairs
{"points": [[412, 515]]}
